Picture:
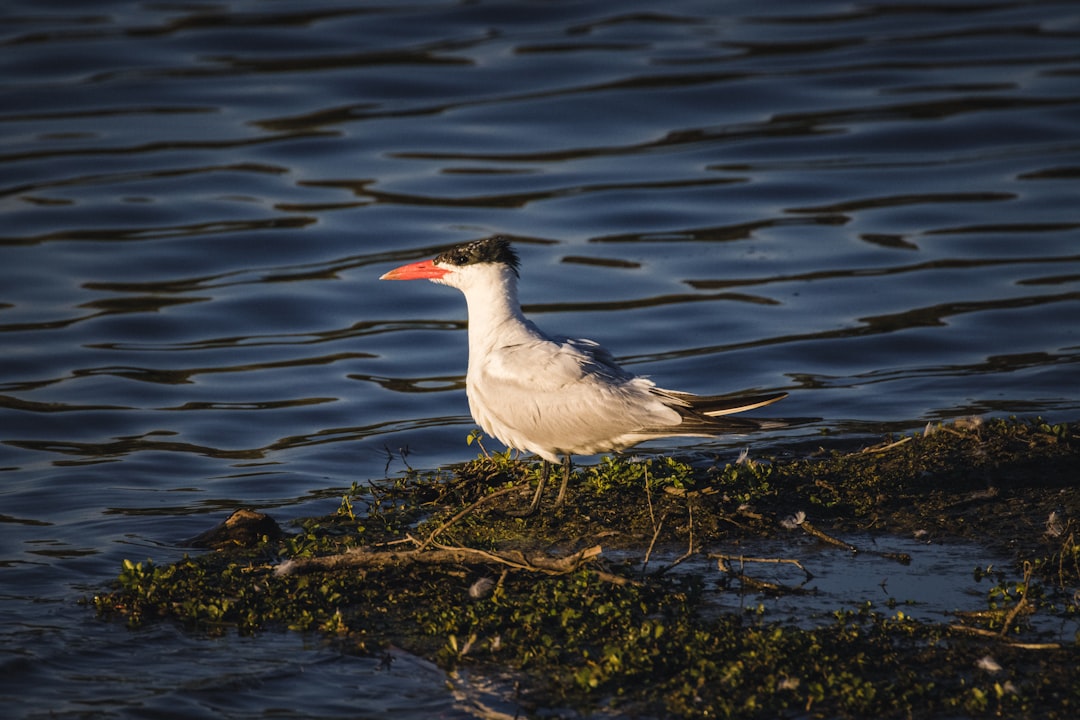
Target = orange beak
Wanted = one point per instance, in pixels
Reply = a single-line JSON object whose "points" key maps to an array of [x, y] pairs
{"points": [[423, 270]]}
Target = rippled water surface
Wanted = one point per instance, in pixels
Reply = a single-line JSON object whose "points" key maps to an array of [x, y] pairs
{"points": [[872, 206]]}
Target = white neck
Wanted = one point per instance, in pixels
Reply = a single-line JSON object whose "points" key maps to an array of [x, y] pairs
{"points": [[495, 317]]}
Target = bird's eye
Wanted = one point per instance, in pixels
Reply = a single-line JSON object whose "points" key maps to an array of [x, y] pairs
{"points": [[461, 259]]}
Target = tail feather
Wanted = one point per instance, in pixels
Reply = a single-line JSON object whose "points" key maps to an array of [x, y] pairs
{"points": [[713, 405], [706, 415]]}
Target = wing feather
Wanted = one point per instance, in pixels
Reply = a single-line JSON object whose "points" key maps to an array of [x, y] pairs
{"points": [[569, 396]]}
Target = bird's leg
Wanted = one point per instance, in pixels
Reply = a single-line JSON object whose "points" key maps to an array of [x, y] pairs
{"points": [[566, 463], [545, 470]]}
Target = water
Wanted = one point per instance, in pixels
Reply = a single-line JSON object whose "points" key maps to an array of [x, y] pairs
{"points": [[842, 579], [871, 206]]}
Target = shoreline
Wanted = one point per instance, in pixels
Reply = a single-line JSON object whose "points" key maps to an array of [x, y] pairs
{"points": [[607, 604]]}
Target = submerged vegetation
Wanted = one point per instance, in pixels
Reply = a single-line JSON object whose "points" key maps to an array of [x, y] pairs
{"points": [[594, 607]]}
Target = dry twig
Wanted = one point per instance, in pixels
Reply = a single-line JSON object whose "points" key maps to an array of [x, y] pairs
{"points": [[442, 555], [820, 535], [656, 533], [884, 448], [462, 513], [1022, 603], [722, 559], [982, 632], [690, 550]]}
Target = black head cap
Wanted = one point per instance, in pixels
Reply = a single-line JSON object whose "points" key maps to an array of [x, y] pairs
{"points": [[495, 249]]}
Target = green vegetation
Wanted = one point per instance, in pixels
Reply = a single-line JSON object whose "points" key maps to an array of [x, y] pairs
{"points": [[622, 631]]}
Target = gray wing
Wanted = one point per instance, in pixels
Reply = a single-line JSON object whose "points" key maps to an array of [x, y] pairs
{"points": [[562, 396]]}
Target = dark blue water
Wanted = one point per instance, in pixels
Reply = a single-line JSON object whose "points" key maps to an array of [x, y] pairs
{"points": [[874, 207]]}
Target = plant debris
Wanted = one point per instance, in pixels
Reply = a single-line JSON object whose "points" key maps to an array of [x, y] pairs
{"points": [[576, 603]]}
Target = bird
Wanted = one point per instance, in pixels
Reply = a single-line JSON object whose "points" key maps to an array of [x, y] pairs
{"points": [[556, 396]]}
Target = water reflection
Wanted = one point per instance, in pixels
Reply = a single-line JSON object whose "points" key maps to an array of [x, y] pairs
{"points": [[872, 207]]}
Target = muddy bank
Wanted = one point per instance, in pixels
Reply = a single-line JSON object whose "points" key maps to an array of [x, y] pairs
{"points": [[609, 603]]}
